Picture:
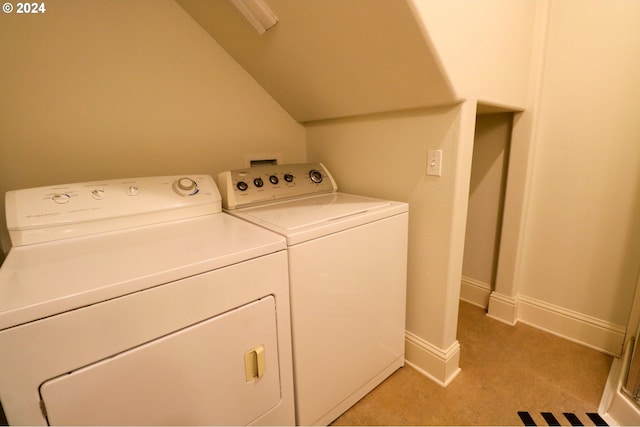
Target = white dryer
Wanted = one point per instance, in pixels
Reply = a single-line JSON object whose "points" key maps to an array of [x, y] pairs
{"points": [[139, 302], [347, 272]]}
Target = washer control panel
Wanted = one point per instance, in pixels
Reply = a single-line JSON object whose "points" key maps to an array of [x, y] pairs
{"points": [[42, 214], [251, 186]]}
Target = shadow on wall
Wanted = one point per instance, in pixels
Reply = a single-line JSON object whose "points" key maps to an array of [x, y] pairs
{"points": [[486, 197]]}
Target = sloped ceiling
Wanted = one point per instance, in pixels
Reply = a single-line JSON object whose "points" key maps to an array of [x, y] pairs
{"points": [[333, 58]]}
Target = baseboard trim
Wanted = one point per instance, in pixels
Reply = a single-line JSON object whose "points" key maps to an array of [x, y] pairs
{"points": [[439, 365], [475, 292], [503, 308], [587, 330], [577, 327]]}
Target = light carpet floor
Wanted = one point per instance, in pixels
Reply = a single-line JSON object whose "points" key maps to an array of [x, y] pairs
{"points": [[505, 370]]}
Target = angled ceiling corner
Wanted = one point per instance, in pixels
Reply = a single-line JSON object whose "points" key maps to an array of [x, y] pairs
{"points": [[330, 59]]}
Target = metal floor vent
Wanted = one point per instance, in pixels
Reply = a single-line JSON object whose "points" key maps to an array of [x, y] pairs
{"points": [[550, 419]]}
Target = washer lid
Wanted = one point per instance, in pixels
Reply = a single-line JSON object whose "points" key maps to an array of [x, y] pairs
{"points": [[311, 217], [45, 279]]}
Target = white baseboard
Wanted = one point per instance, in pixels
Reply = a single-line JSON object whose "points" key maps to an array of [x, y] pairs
{"points": [[475, 292], [577, 327], [503, 308], [439, 365], [590, 331]]}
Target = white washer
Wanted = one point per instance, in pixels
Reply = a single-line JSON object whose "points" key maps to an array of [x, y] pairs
{"points": [[347, 272], [138, 301]]}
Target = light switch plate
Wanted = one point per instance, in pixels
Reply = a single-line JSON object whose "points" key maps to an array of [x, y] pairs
{"points": [[434, 162]]}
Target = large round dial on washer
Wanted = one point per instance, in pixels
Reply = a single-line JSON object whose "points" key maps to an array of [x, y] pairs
{"points": [[185, 187]]}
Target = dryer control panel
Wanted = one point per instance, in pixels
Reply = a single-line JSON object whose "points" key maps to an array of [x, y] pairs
{"points": [[252, 186], [43, 214]]}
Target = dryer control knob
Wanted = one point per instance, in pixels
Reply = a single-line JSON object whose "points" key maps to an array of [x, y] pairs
{"points": [[316, 176], [186, 187], [242, 186], [132, 190], [98, 194], [61, 198], [288, 177]]}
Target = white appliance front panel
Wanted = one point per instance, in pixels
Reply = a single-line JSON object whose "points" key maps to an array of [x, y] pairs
{"points": [[195, 376], [347, 314], [44, 279], [307, 218], [39, 350]]}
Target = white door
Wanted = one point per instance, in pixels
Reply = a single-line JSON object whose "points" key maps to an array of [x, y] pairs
{"points": [[223, 370]]}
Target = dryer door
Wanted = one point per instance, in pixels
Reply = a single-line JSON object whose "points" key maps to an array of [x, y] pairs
{"points": [[223, 370]]}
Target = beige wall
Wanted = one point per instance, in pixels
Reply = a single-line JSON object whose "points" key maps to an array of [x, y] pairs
{"points": [[108, 89], [575, 166], [486, 197], [331, 59], [573, 211], [485, 46], [581, 246], [487, 60]]}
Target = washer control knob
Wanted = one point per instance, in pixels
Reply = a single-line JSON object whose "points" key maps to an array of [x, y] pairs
{"points": [[98, 194], [186, 187], [316, 176], [61, 198], [288, 177], [258, 182], [242, 186], [273, 179], [132, 190]]}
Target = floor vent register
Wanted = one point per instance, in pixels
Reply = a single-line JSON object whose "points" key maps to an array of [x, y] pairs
{"points": [[550, 419]]}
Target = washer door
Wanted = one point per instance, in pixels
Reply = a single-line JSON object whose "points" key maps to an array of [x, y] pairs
{"points": [[223, 370]]}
